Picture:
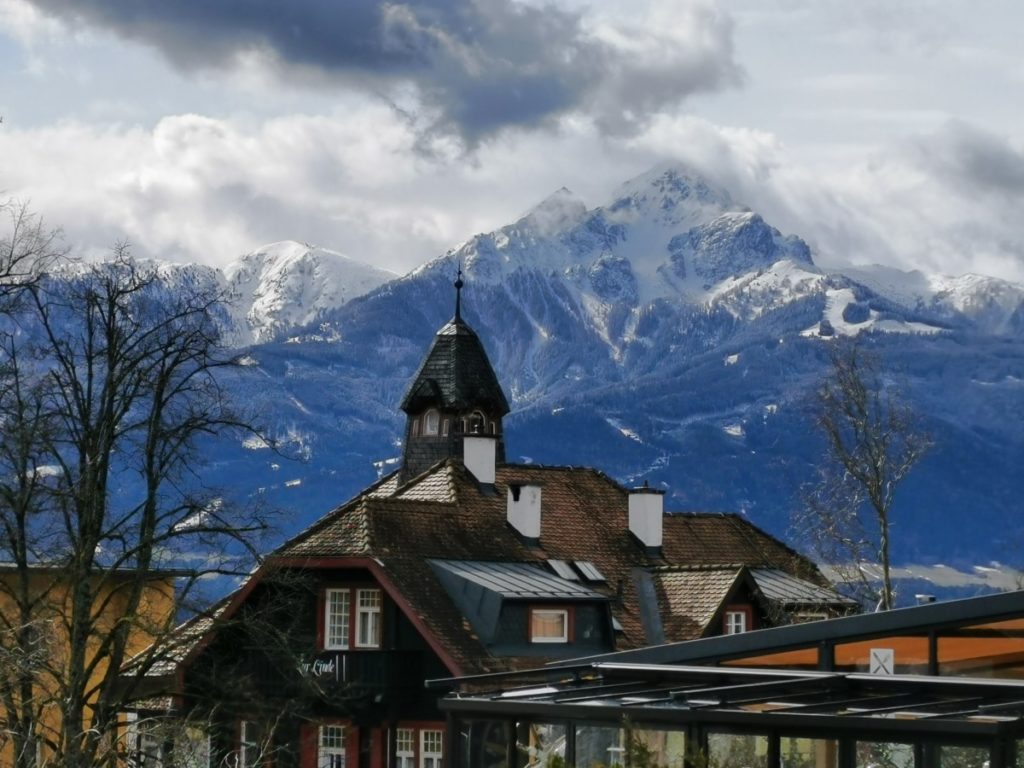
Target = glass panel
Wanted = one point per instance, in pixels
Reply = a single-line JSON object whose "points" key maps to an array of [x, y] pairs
{"points": [[430, 748], [336, 618], [963, 757], [808, 753], [405, 748], [540, 745], [735, 622], [884, 754], [331, 753], [430, 421], [993, 649], [368, 618], [549, 626], [909, 655], [805, 658], [737, 750], [599, 747], [483, 744], [656, 748]]}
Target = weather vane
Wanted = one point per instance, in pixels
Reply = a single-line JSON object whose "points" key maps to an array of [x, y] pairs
{"points": [[458, 293]]}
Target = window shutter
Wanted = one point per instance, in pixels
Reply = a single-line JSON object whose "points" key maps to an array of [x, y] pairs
{"points": [[307, 746]]}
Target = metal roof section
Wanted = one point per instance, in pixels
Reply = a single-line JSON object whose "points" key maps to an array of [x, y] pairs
{"points": [[486, 593], [811, 703], [513, 581], [563, 569], [590, 572], [780, 587]]}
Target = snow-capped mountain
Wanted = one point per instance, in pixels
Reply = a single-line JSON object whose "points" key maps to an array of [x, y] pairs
{"points": [[289, 284], [669, 336]]}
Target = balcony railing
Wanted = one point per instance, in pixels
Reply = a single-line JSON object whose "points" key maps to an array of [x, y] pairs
{"points": [[366, 671]]}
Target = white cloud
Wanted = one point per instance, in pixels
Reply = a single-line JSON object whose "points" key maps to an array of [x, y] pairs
{"points": [[199, 188], [829, 137]]}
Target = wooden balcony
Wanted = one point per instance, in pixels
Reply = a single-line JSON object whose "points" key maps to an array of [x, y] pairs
{"points": [[367, 672]]}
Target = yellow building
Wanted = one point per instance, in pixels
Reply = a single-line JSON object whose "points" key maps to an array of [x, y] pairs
{"points": [[38, 665]]}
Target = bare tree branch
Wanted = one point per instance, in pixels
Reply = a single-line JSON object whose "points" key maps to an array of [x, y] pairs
{"points": [[107, 381], [872, 441]]}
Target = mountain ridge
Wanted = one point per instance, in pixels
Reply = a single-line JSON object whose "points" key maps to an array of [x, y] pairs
{"points": [[668, 336]]}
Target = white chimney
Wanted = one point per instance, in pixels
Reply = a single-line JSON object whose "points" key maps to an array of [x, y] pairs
{"points": [[646, 506], [478, 454], [524, 510]]}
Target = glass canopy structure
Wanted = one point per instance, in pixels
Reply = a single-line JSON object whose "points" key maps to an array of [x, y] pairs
{"points": [[933, 685]]}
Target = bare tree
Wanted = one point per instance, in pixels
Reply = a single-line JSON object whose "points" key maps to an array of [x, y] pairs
{"points": [[27, 249], [873, 439], [108, 380]]}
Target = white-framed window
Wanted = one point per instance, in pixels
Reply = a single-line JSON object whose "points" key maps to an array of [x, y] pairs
{"points": [[368, 602], [337, 612], [477, 423], [431, 422], [145, 745], [431, 748], [549, 625], [736, 621], [330, 751], [405, 748]]}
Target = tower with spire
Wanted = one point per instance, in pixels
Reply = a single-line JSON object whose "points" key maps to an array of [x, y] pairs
{"points": [[454, 394]]}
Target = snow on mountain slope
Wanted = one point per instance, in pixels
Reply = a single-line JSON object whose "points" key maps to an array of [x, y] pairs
{"points": [[992, 305], [665, 236], [845, 316], [288, 284], [668, 335]]}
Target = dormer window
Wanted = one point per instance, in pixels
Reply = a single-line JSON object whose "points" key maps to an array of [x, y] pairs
{"points": [[476, 423], [431, 422], [549, 625], [737, 619]]}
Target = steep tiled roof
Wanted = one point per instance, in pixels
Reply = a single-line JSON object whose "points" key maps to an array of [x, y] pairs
{"points": [[690, 597], [446, 515], [431, 486], [343, 533], [456, 374]]}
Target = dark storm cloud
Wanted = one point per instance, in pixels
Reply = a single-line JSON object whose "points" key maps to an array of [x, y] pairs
{"points": [[483, 64], [968, 156]]}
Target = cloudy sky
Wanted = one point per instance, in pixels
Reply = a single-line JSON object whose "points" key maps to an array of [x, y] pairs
{"points": [[880, 131]]}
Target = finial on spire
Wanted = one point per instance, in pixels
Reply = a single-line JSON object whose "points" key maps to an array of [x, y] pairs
{"points": [[458, 294]]}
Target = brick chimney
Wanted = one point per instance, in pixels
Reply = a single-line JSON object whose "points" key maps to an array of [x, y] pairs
{"points": [[646, 508], [524, 510], [479, 455]]}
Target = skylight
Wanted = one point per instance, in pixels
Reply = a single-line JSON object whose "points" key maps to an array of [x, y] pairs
{"points": [[589, 571], [563, 569]]}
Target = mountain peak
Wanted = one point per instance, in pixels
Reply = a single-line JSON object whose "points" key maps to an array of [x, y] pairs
{"points": [[555, 213], [672, 191], [288, 283]]}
